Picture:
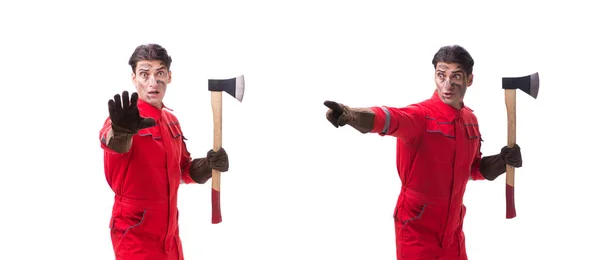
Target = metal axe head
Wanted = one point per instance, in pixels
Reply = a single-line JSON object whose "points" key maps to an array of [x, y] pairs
{"points": [[529, 84], [233, 86]]}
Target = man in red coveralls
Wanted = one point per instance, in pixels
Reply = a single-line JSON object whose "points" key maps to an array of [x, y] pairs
{"points": [[438, 152], [145, 160]]}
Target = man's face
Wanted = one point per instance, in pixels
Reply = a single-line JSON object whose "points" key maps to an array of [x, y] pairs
{"points": [[150, 80], [452, 82]]}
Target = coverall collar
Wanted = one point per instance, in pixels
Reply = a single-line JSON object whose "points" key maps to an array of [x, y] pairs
{"points": [[450, 112], [147, 110]]}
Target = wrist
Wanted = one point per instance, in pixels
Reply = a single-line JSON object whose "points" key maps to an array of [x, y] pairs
{"points": [[363, 119], [121, 130], [119, 142], [492, 166]]}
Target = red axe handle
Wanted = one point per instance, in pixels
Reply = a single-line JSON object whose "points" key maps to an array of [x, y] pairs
{"points": [[217, 108], [510, 98]]}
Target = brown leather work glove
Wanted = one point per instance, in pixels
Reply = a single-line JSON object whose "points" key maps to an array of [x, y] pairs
{"points": [[125, 121], [201, 169], [125, 116], [361, 119], [218, 160], [495, 165]]}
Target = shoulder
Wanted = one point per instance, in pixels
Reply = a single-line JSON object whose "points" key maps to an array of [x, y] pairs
{"points": [[415, 110], [424, 108]]}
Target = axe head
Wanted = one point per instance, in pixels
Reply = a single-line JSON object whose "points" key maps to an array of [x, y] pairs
{"points": [[529, 84], [233, 86]]}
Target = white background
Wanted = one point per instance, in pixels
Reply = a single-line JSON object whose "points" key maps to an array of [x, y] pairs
{"points": [[297, 187]]}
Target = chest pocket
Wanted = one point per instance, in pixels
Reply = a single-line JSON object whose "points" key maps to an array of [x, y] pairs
{"points": [[439, 140], [473, 131], [474, 138], [175, 130], [176, 136], [150, 132], [440, 127]]}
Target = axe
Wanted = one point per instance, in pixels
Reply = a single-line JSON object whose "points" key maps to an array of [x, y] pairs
{"points": [[529, 84], [235, 88]]}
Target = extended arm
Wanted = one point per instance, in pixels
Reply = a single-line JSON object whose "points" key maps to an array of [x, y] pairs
{"points": [[405, 123]]}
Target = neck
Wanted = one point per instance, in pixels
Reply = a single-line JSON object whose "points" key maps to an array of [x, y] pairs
{"points": [[458, 106], [159, 106]]}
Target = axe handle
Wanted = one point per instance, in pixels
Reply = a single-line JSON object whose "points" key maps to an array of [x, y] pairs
{"points": [[217, 108], [510, 98]]}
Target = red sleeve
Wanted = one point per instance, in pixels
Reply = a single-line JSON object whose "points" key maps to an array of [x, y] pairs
{"points": [[105, 128], [103, 131], [475, 173], [405, 123], [186, 163], [113, 162]]}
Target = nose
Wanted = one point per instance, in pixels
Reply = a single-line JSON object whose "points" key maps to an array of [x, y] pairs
{"points": [[447, 83], [152, 81]]}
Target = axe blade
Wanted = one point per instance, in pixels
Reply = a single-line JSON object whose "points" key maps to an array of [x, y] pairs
{"points": [[233, 86], [529, 84]]}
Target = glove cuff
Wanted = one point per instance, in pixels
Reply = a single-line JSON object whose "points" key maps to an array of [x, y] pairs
{"points": [[492, 166], [363, 119], [200, 171], [118, 140]]}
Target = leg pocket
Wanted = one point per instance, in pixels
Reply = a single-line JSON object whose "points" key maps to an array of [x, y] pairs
{"points": [[410, 212], [126, 222], [414, 237]]}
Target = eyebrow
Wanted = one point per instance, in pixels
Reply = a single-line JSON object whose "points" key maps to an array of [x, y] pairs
{"points": [[460, 70], [145, 67]]}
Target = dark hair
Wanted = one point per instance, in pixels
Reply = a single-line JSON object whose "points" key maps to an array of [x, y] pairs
{"points": [[150, 52], [454, 54]]}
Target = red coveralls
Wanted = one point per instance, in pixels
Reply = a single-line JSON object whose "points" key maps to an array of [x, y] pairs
{"points": [[145, 180], [438, 152]]}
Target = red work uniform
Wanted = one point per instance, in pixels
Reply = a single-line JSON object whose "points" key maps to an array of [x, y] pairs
{"points": [[438, 152], [145, 180]]}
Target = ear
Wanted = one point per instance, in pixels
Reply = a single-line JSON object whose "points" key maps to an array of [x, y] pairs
{"points": [[169, 77], [133, 78], [470, 80]]}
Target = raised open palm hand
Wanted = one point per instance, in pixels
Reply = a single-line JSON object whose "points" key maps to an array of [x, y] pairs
{"points": [[125, 114]]}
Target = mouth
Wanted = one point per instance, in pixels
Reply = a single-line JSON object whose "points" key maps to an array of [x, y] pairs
{"points": [[153, 93], [448, 95]]}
